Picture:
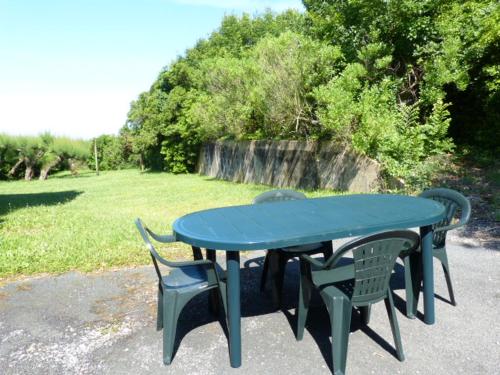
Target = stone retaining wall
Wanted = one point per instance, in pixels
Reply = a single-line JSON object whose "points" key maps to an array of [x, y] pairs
{"points": [[295, 164]]}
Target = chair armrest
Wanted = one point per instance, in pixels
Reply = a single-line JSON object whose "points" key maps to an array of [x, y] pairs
{"points": [[336, 257], [165, 238], [333, 275], [449, 227], [313, 261], [168, 238], [201, 262]]}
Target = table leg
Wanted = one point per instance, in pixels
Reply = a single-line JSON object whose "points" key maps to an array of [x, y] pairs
{"points": [[428, 273], [328, 250], [197, 253], [233, 307], [211, 255]]}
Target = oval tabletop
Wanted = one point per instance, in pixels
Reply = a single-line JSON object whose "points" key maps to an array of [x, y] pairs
{"points": [[298, 222]]}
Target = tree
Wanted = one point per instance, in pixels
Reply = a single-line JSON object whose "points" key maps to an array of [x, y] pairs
{"points": [[111, 152], [438, 50], [376, 76], [38, 154], [62, 150], [29, 152], [8, 154], [163, 123]]}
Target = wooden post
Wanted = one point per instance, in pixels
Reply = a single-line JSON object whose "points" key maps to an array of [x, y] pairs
{"points": [[95, 157]]}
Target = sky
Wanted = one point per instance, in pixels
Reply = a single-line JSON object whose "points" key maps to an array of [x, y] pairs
{"points": [[72, 67]]}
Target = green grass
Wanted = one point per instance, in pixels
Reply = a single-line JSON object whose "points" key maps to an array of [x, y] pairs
{"points": [[86, 222]]}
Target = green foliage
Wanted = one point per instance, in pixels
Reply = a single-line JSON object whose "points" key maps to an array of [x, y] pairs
{"points": [[8, 154], [391, 79], [112, 152], [71, 148], [267, 93], [288, 68], [412, 152], [202, 95]]}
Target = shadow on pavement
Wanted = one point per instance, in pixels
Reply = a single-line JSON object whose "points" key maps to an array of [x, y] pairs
{"points": [[254, 303]]}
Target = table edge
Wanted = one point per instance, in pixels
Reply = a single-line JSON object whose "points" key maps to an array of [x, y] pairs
{"points": [[314, 238]]}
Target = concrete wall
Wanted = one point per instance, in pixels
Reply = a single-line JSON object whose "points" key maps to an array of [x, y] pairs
{"points": [[296, 164]]}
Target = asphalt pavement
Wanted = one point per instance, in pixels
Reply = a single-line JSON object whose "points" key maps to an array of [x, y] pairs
{"points": [[104, 323]]}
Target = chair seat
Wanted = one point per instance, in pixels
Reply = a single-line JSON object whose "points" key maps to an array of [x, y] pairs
{"points": [[189, 277], [303, 248]]}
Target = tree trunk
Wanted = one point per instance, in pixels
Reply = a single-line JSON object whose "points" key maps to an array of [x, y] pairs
{"points": [[141, 162], [31, 164], [73, 167], [17, 165], [44, 173], [29, 172]]}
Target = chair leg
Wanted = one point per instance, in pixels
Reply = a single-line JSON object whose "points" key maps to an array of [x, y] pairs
{"points": [[340, 319], [173, 304], [213, 297], [170, 325], [265, 270], [365, 313], [213, 302], [305, 291], [446, 270], [391, 312], [159, 311], [413, 282], [221, 291]]}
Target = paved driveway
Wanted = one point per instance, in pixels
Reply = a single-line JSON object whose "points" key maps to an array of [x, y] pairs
{"points": [[105, 323]]}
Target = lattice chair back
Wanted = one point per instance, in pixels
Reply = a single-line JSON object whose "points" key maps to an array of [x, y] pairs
{"points": [[278, 195], [374, 258], [458, 212]]}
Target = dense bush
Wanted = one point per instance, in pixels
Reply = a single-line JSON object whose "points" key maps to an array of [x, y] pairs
{"points": [[166, 125], [394, 80], [113, 152]]}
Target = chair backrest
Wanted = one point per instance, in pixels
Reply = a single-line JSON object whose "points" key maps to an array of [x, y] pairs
{"points": [[374, 259], [145, 234], [456, 205], [278, 195]]}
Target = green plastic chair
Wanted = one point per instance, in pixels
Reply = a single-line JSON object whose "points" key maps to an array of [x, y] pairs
{"points": [[276, 260], [185, 281], [457, 208], [359, 284]]}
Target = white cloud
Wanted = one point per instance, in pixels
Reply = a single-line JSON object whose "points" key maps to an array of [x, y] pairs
{"points": [[246, 5]]}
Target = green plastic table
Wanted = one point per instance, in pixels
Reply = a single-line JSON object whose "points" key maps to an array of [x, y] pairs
{"points": [[298, 222]]}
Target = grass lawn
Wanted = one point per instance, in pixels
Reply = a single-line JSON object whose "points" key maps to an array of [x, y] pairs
{"points": [[86, 222]]}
